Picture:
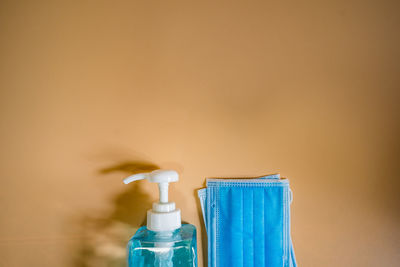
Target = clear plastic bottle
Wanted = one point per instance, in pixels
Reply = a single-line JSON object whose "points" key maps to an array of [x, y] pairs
{"points": [[163, 249], [165, 241]]}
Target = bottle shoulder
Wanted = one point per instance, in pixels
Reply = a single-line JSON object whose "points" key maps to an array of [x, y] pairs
{"points": [[185, 232]]}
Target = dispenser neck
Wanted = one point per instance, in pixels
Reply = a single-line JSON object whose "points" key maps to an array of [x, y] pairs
{"points": [[163, 190]]}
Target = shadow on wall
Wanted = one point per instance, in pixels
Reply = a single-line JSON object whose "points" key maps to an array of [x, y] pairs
{"points": [[104, 239]]}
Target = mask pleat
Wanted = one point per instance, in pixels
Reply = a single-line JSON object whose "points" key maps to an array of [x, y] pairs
{"points": [[236, 231], [248, 227], [274, 226], [259, 233]]}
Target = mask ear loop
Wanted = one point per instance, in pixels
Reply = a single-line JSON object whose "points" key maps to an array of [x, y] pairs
{"points": [[290, 196]]}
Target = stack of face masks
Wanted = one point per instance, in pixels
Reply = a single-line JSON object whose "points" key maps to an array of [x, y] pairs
{"points": [[248, 222]]}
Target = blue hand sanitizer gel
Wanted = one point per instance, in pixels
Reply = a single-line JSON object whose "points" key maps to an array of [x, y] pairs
{"points": [[164, 242]]}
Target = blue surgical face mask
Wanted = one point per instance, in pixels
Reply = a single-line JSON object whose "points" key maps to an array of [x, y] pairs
{"points": [[248, 222]]}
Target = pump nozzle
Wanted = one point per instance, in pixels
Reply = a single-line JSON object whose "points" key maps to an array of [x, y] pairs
{"points": [[162, 177], [163, 216]]}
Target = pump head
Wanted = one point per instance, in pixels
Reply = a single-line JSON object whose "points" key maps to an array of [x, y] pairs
{"points": [[164, 216]]}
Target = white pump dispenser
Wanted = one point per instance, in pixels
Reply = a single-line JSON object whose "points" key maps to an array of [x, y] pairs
{"points": [[164, 216]]}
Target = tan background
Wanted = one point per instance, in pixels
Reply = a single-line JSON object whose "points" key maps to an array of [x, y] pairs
{"points": [[94, 90]]}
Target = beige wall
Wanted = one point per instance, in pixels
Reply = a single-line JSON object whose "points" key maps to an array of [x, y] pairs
{"points": [[94, 90]]}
